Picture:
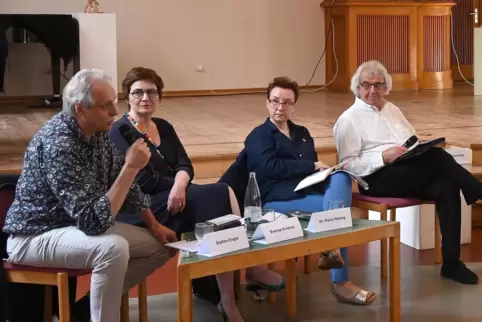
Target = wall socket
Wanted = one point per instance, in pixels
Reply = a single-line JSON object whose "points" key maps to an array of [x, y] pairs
{"points": [[199, 68]]}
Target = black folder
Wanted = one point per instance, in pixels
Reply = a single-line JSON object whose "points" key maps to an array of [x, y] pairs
{"points": [[418, 150]]}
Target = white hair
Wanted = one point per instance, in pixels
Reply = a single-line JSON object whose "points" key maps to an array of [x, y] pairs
{"points": [[373, 67], [78, 89]]}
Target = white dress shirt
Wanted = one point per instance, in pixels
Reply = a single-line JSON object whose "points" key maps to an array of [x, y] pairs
{"points": [[363, 132]]}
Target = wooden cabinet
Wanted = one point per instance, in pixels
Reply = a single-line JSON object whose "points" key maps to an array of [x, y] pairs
{"points": [[412, 39]]}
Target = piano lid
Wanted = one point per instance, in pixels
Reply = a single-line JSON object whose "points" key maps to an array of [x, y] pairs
{"points": [[59, 33]]}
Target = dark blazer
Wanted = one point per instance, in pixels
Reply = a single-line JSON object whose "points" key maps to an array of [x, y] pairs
{"points": [[166, 160], [280, 163], [237, 177]]}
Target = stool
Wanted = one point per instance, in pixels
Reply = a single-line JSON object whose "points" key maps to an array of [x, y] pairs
{"points": [[382, 205], [59, 277], [142, 300]]}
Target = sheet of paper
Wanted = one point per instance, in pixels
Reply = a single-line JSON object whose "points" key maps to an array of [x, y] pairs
{"points": [[315, 178], [190, 246]]}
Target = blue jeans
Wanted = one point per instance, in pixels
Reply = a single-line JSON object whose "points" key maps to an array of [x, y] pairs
{"points": [[337, 188]]}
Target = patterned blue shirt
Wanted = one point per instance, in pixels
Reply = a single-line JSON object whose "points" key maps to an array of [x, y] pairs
{"points": [[65, 179]]}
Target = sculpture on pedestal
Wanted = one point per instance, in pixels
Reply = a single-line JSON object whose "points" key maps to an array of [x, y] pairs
{"points": [[92, 6]]}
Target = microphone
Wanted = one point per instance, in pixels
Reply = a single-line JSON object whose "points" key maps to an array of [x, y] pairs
{"points": [[410, 142], [128, 134], [132, 136]]}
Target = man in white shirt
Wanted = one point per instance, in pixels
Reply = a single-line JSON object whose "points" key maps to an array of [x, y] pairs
{"points": [[370, 134]]}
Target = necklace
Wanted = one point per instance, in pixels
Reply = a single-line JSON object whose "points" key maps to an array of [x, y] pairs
{"points": [[139, 127]]}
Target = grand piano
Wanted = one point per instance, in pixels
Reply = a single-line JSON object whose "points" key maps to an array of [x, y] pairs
{"points": [[59, 33]]}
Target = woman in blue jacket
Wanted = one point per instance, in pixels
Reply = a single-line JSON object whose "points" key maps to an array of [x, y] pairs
{"points": [[282, 153]]}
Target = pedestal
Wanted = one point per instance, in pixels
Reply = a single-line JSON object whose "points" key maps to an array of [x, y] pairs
{"points": [[98, 42], [412, 40]]}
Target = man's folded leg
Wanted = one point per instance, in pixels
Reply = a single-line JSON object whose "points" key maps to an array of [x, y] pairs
{"points": [[448, 205], [416, 179], [146, 255], [107, 254], [447, 167]]}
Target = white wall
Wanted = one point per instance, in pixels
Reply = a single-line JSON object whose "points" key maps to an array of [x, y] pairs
{"points": [[240, 43]]}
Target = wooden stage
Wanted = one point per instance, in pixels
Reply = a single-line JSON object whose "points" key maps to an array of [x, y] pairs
{"points": [[213, 128]]}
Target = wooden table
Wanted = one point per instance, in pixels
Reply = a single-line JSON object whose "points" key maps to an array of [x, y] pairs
{"points": [[363, 231]]}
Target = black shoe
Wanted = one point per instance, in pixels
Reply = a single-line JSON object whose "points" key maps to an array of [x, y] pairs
{"points": [[254, 286], [457, 271], [81, 309]]}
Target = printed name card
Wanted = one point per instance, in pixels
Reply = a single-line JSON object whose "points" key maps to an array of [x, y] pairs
{"points": [[278, 231], [461, 155], [329, 220], [223, 241]]}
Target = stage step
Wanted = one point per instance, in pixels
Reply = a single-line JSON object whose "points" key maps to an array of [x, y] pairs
{"points": [[214, 166]]}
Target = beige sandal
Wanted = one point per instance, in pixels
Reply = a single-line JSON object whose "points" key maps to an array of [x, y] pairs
{"points": [[361, 298], [330, 261]]}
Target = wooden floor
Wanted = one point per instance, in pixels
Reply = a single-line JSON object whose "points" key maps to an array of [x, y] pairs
{"points": [[219, 124]]}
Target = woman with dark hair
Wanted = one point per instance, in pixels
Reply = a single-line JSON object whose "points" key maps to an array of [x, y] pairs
{"points": [[177, 203], [282, 153]]}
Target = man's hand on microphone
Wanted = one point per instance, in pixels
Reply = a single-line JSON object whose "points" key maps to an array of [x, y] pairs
{"points": [[392, 153], [138, 155]]}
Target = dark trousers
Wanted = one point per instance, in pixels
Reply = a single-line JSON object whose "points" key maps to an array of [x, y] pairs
{"points": [[436, 176]]}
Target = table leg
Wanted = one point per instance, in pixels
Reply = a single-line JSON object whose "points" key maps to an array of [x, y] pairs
{"points": [[290, 275], [395, 276], [184, 296]]}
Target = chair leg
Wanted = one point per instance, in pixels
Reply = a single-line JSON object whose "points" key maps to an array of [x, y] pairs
{"points": [[64, 301], [142, 296], [438, 242], [271, 295], [47, 303], [125, 307], [383, 250]]}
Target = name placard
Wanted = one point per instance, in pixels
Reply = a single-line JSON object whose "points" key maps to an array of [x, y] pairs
{"points": [[329, 220], [223, 241], [461, 155], [277, 231]]}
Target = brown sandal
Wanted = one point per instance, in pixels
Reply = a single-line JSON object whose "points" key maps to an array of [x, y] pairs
{"points": [[361, 298], [330, 261]]}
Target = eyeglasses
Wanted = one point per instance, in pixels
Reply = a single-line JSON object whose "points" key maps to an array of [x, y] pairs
{"points": [[151, 93], [367, 85], [275, 103]]}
